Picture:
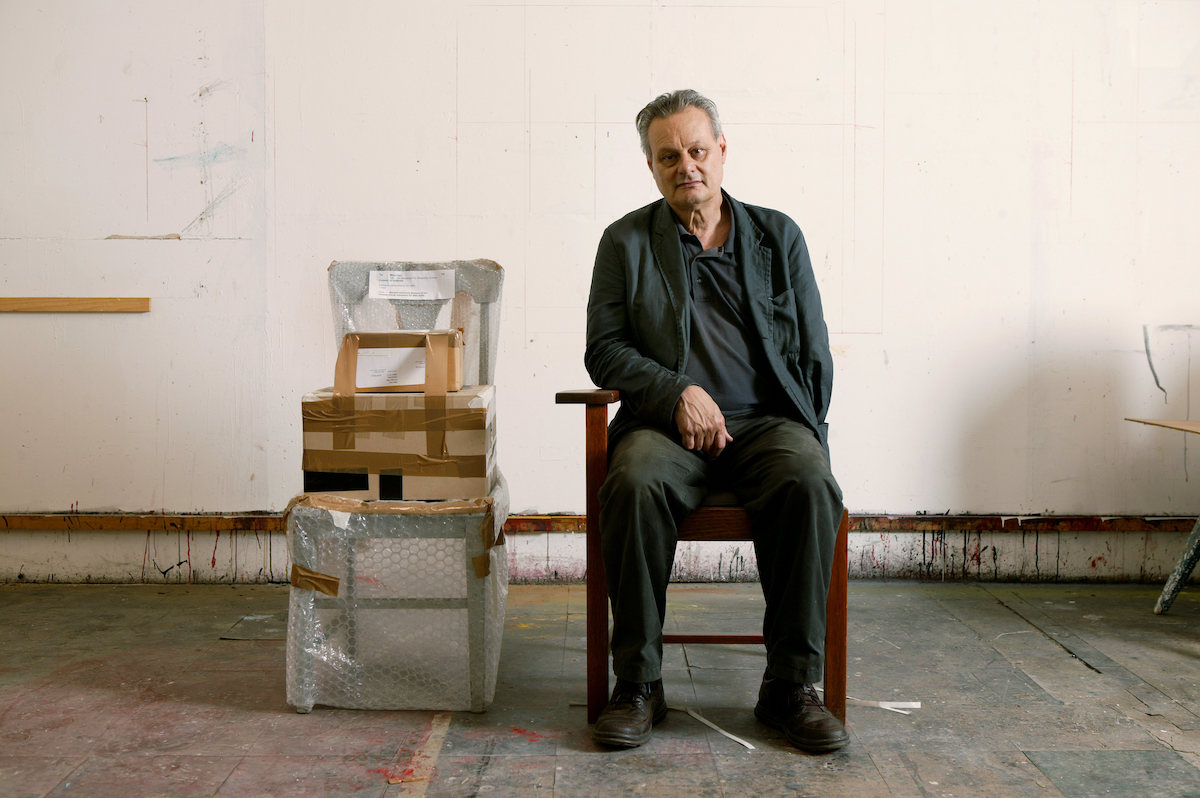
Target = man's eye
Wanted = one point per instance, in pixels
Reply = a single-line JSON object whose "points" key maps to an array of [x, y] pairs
{"points": [[698, 154]]}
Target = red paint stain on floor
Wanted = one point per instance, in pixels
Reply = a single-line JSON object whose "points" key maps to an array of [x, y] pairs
{"points": [[531, 736]]}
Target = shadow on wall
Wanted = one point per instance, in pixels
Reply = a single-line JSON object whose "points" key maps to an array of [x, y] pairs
{"points": [[1172, 392], [1054, 440], [1169, 358]]}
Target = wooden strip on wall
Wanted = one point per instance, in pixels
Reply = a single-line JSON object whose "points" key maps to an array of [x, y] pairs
{"points": [[68, 304], [109, 522]]}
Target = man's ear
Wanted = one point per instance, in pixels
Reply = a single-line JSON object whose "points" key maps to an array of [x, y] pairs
{"points": [[721, 144], [649, 165]]}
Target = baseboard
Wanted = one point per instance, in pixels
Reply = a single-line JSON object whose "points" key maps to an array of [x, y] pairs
{"points": [[251, 548]]}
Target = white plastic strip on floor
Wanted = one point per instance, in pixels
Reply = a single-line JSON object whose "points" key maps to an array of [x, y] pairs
{"points": [[712, 725], [901, 707]]}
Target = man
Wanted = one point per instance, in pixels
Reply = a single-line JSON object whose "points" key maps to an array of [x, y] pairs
{"points": [[704, 314]]}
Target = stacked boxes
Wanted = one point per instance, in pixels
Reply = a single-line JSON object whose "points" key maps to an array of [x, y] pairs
{"points": [[399, 574]]}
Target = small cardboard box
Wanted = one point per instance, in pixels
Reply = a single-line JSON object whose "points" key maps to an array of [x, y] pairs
{"points": [[407, 360], [438, 446]]}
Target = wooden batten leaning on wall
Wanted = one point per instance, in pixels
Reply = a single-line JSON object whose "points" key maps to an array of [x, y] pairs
{"points": [[69, 304]]}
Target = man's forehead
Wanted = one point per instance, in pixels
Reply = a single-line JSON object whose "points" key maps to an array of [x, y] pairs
{"points": [[690, 130], [668, 143]]}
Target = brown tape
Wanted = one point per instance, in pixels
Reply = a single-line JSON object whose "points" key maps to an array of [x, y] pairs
{"points": [[350, 461], [436, 377], [343, 390], [343, 369], [487, 531], [324, 416], [305, 579]]}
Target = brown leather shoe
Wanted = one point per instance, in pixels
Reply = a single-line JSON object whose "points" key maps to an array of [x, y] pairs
{"points": [[796, 710], [631, 714]]}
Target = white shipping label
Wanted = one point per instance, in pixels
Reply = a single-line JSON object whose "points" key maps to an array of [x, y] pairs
{"points": [[385, 367], [434, 284]]}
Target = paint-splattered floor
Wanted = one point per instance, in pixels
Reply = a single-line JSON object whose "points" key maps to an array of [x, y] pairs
{"points": [[1075, 690]]}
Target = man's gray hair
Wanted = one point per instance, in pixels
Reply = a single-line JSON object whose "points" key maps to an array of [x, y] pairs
{"points": [[671, 103]]}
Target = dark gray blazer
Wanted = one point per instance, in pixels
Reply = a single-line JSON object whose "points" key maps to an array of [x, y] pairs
{"points": [[639, 321]]}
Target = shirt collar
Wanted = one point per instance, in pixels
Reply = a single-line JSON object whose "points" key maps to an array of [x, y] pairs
{"points": [[725, 209]]}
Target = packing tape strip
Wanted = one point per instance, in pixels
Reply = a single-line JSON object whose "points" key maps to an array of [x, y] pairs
{"points": [[418, 465], [320, 416], [482, 563], [437, 376], [305, 579]]}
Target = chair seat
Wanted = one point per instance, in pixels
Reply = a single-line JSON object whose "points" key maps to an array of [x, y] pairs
{"points": [[720, 498]]}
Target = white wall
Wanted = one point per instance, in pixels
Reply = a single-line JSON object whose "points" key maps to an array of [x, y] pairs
{"points": [[1000, 199]]}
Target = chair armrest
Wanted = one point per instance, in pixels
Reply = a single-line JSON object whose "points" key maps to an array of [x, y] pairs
{"points": [[588, 396]]}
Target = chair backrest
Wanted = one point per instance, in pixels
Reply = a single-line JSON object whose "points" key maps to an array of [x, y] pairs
{"points": [[416, 296]]}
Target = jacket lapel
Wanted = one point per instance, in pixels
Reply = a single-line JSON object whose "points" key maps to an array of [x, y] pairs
{"points": [[668, 256], [756, 268]]}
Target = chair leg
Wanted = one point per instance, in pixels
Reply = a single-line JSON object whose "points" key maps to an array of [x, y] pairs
{"points": [[597, 634], [835, 624], [597, 593]]}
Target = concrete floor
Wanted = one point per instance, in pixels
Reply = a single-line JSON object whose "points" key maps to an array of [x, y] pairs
{"points": [[1054, 690]]}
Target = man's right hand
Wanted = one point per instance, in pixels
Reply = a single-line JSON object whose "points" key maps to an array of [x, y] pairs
{"points": [[701, 423]]}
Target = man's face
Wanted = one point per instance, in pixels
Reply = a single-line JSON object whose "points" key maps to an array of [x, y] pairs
{"points": [[687, 162]]}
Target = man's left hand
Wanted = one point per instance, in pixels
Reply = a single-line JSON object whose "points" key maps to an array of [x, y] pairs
{"points": [[701, 422]]}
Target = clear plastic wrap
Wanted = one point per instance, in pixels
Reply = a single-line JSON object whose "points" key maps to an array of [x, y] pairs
{"points": [[418, 616], [472, 305]]}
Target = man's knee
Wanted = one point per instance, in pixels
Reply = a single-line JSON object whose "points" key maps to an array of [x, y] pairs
{"points": [[647, 465], [814, 483], [631, 476], [802, 484]]}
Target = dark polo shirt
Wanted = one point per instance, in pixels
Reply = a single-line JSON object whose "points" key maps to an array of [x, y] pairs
{"points": [[726, 357]]}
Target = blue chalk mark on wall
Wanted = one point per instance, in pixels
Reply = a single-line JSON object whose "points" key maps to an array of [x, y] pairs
{"points": [[221, 153]]}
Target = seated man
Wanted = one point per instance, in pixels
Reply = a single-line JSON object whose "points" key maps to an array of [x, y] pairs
{"points": [[704, 314]]}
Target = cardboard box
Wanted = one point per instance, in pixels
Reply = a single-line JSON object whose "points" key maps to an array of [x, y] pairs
{"points": [[439, 447], [407, 360]]}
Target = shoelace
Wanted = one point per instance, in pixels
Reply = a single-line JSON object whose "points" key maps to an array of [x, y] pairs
{"points": [[630, 693], [810, 695]]}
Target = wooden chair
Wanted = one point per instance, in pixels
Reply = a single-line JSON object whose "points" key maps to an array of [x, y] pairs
{"points": [[716, 520]]}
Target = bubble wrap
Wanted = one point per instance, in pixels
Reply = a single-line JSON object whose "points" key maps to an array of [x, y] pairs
{"points": [[474, 308], [412, 625]]}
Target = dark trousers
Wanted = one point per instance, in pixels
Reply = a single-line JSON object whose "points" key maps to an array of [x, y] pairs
{"points": [[779, 472]]}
